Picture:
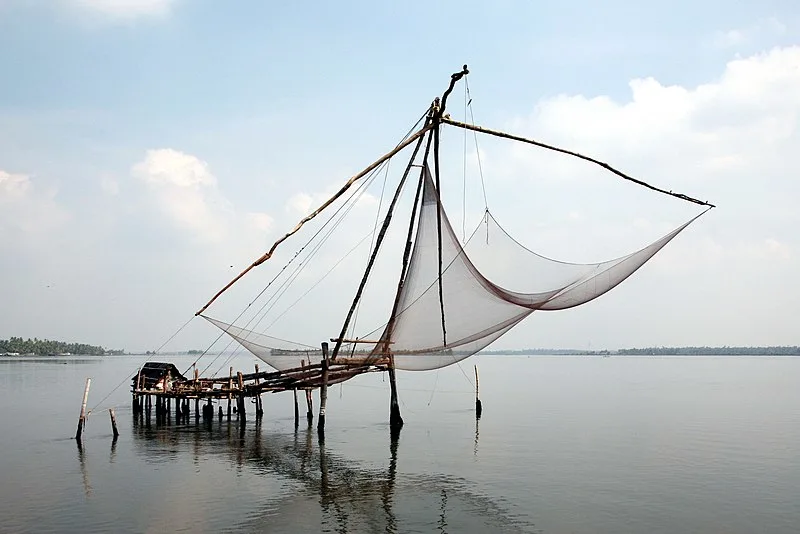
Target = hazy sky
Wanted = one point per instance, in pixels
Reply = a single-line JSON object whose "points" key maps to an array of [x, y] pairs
{"points": [[150, 149]]}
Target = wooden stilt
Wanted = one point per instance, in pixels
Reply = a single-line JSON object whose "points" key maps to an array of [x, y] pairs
{"points": [[259, 410], [395, 420], [113, 422], [82, 419], [230, 388], [323, 390], [478, 405], [296, 411], [242, 410], [309, 401], [196, 409]]}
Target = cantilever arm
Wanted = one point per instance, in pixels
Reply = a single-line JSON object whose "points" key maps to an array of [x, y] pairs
{"points": [[267, 255], [606, 166]]}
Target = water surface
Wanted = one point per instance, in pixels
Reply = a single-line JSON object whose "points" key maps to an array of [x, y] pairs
{"points": [[565, 444]]}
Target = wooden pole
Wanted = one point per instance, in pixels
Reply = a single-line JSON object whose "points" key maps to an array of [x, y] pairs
{"points": [[230, 388], [395, 420], [113, 422], [478, 405], [606, 166], [82, 419], [296, 411], [242, 412], [316, 212], [323, 390], [259, 411], [309, 400]]}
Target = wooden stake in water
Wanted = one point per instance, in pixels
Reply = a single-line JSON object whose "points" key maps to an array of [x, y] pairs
{"points": [[82, 419], [478, 405], [323, 390], [113, 422]]}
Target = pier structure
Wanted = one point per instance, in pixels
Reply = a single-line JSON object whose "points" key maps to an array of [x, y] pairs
{"points": [[161, 384]]}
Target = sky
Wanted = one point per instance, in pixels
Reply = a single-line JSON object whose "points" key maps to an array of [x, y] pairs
{"points": [[151, 149]]}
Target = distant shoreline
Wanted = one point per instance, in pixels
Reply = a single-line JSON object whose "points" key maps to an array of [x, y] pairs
{"points": [[792, 350]]}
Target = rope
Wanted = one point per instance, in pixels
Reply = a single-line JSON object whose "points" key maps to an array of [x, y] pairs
{"points": [[124, 380], [464, 167], [362, 187], [477, 150]]}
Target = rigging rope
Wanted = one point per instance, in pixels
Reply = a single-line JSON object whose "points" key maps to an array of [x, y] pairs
{"points": [[359, 191], [115, 388], [578, 155], [477, 150]]}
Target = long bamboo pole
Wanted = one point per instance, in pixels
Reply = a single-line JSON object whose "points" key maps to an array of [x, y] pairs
{"points": [[267, 255], [606, 166], [82, 419]]}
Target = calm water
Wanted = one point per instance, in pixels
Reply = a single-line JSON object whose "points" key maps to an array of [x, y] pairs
{"points": [[566, 444]]}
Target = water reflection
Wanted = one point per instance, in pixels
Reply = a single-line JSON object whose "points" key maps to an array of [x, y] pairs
{"points": [[87, 487], [334, 493]]}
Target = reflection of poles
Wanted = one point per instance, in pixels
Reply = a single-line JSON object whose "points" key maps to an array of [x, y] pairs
{"points": [[112, 457], [388, 488], [477, 423], [87, 488]]}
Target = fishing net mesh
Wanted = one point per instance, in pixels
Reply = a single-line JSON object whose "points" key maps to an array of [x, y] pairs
{"points": [[444, 319]]}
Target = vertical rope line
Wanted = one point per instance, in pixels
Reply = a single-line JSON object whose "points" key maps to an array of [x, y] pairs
{"points": [[477, 150], [464, 166]]}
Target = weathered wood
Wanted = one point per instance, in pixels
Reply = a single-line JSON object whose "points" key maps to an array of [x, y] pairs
{"points": [[478, 405], [336, 340], [82, 419], [323, 390], [259, 410], [606, 166], [230, 387], [395, 420], [296, 410], [113, 422]]}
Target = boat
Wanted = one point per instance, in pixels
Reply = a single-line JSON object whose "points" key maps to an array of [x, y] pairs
{"points": [[444, 306]]}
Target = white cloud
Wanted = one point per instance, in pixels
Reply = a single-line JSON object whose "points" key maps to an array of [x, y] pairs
{"points": [[126, 9], [299, 203], [26, 209], [734, 140], [187, 192]]}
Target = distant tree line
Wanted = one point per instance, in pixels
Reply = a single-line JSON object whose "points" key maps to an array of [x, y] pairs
{"points": [[659, 351], [49, 347], [715, 351]]}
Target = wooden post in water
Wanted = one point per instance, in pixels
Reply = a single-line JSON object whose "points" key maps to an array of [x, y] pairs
{"points": [[82, 419], [309, 400], [296, 411], [113, 422], [230, 388], [395, 421], [242, 411], [478, 405], [259, 410], [323, 390]]}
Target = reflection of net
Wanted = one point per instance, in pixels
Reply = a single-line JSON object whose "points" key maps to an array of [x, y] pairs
{"points": [[476, 311]]}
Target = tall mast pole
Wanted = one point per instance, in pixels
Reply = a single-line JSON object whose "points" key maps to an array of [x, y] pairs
{"points": [[437, 124]]}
